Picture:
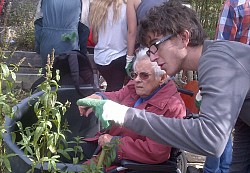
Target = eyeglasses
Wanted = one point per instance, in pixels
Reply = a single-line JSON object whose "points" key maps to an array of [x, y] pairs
{"points": [[142, 75], [155, 46]]}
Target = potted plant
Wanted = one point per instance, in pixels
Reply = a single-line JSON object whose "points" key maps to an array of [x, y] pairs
{"points": [[39, 131]]}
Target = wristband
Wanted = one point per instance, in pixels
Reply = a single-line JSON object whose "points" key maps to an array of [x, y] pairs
{"points": [[129, 58]]}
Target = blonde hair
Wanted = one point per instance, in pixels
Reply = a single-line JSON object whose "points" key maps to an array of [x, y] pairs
{"points": [[99, 12]]}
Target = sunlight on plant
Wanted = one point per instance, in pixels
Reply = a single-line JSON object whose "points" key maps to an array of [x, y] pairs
{"points": [[42, 141]]}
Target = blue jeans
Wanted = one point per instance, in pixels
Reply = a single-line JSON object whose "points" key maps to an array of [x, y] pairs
{"points": [[219, 164]]}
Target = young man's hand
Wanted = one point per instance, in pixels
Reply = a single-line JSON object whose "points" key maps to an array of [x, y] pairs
{"points": [[105, 110], [86, 110]]}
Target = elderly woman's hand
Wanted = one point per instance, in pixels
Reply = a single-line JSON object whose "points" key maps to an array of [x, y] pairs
{"points": [[103, 139], [86, 110]]}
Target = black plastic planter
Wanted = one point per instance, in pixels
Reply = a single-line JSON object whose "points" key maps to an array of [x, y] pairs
{"points": [[79, 126]]}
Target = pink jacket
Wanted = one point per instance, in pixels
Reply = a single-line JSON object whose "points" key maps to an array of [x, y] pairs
{"points": [[167, 102]]}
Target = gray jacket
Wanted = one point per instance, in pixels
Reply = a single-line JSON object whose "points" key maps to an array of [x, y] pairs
{"points": [[224, 76]]}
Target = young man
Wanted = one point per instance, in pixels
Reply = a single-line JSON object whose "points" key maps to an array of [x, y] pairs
{"points": [[176, 41]]}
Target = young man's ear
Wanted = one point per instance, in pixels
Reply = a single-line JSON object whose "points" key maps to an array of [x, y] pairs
{"points": [[185, 37]]}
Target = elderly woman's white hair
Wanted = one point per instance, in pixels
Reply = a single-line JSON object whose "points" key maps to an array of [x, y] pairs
{"points": [[141, 55]]}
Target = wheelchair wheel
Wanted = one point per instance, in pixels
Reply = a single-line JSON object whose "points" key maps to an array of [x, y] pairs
{"points": [[182, 162]]}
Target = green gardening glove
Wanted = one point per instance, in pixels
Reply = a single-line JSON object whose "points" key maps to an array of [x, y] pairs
{"points": [[129, 64], [105, 110], [97, 107]]}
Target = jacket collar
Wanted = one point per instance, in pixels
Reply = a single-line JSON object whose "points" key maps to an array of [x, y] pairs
{"points": [[162, 97]]}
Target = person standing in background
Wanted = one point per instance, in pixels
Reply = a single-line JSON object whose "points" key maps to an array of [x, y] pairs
{"points": [[136, 11], [109, 28], [83, 26], [234, 21], [58, 25]]}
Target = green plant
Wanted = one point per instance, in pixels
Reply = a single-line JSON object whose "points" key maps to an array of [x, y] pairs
{"points": [[21, 24], [42, 141], [45, 141], [7, 95], [77, 149], [104, 160]]}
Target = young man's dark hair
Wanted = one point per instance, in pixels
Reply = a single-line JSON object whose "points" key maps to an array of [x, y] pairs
{"points": [[172, 18]]}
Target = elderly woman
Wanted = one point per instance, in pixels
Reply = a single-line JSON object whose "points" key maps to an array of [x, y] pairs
{"points": [[151, 90]]}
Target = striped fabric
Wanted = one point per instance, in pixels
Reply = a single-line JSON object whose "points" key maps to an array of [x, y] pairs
{"points": [[234, 21]]}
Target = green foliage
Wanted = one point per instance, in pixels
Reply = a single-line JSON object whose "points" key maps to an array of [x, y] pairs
{"points": [[208, 11], [104, 160], [7, 96], [21, 24], [92, 168], [42, 141], [25, 37], [77, 149]]}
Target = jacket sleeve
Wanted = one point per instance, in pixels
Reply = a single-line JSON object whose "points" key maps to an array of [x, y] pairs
{"points": [[144, 151]]}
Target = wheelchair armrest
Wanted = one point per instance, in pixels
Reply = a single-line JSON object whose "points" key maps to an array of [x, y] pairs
{"points": [[168, 166]]}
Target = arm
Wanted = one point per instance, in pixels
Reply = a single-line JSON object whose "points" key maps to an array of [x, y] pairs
{"points": [[227, 26], [222, 100], [132, 26], [94, 37]]}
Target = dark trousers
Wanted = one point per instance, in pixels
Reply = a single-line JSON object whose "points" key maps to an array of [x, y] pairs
{"points": [[241, 143], [114, 73]]}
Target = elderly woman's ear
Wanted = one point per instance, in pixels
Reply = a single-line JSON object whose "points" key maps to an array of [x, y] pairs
{"points": [[163, 79]]}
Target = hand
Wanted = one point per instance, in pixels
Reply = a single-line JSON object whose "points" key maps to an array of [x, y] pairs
{"points": [[105, 110], [103, 139], [129, 64], [86, 110]]}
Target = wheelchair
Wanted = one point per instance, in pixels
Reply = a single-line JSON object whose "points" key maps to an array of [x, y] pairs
{"points": [[177, 163]]}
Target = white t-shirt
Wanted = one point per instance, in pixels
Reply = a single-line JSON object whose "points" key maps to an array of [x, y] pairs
{"points": [[112, 42]]}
